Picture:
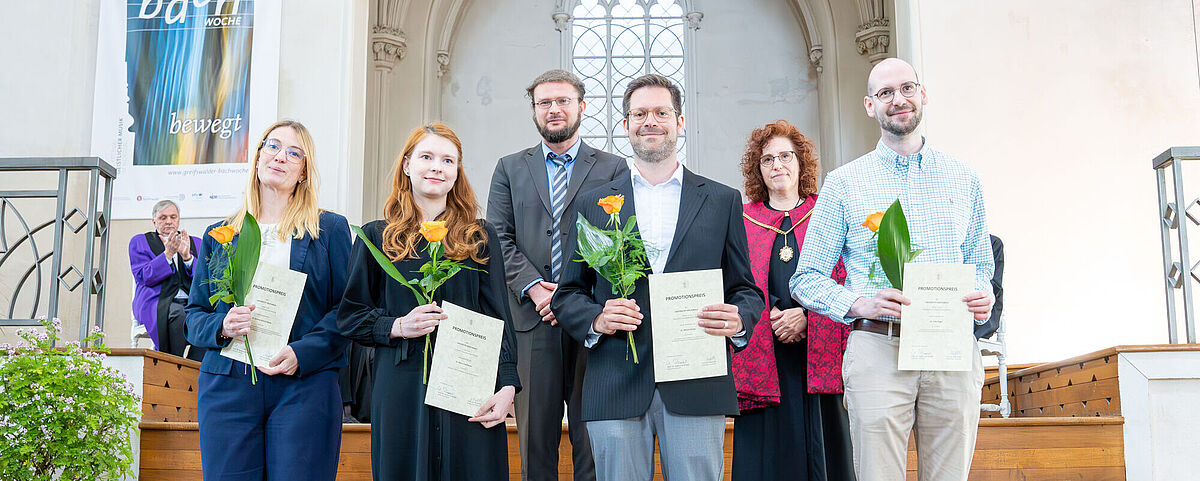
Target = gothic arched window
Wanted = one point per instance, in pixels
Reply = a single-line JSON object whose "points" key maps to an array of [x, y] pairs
{"points": [[613, 42]]}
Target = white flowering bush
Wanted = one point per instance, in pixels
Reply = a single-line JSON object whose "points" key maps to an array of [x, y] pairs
{"points": [[63, 415]]}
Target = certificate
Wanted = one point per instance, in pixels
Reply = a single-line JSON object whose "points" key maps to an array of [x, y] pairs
{"points": [[682, 350], [938, 330], [462, 375], [275, 294]]}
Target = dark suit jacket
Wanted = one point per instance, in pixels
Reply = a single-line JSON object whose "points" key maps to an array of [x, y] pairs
{"points": [[990, 327], [709, 234], [519, 208], [314, 337]]}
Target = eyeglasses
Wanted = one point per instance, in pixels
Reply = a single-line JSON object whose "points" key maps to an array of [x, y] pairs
{"points": [[270, 147], [562, 103], [661, 114], [907, 89], [785, 157]]}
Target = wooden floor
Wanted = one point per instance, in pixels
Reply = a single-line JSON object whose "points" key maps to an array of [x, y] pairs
{"points": [[1026, 449]]}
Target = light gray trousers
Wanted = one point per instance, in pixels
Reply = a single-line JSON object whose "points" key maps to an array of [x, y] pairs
{"points": [[690, 446]]}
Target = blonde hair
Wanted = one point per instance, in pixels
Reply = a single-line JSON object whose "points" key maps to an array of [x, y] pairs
{"points": [[302, 216], [401, 234]]}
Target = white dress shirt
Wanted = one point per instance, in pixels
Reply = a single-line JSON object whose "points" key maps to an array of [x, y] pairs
{"points": [[657, 210], [274, 251]]}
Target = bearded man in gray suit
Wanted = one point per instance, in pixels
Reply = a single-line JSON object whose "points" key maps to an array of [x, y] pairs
{"points": [[531, 205]]}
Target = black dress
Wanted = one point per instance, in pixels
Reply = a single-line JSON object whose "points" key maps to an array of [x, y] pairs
{"points": [[409, 440], [806, 436]]}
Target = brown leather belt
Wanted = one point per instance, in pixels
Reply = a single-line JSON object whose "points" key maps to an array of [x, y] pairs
{"points": [[879, 327]]}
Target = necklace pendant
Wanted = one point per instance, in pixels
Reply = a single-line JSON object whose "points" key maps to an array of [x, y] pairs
{"points": [[786, 253]]}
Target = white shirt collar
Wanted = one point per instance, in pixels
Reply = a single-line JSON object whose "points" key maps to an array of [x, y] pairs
{"points": [[636, 177]]}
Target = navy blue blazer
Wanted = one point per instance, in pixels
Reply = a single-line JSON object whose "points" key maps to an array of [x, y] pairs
{"points": [[315, 337]]}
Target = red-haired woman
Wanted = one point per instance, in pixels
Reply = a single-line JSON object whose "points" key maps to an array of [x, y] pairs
{"points": [[789, 378], [409, 440]]}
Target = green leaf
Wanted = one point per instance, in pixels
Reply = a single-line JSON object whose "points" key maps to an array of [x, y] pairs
{"points": [[630, 224], [894, 249], [214, 298], [386, 264], [245, 257], [592, 241], [629, 277]]}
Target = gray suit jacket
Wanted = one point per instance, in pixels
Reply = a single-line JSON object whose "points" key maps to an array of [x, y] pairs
{"points": [[519, 208]]}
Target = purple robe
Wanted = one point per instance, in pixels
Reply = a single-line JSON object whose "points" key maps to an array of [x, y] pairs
{"points": [[151, 271]]}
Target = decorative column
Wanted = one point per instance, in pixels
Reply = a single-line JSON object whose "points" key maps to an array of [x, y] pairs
{"points": [[874, 33], [389, 46]]}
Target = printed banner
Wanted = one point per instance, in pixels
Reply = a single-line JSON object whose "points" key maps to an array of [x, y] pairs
{"points": [[183, 87]]}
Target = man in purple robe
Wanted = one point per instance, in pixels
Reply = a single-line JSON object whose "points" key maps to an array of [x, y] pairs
{"points": [[162, 262]]}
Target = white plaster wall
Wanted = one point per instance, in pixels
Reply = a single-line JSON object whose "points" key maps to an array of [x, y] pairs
{"points": [[48, 106], [858, 132], [501, 46], [1060, 106], [753, 69]]}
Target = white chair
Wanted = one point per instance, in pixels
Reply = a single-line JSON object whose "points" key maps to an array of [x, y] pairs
{"points": [[996, 347], [137, 331]]}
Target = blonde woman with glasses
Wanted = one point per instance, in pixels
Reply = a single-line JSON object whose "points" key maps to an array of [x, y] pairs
{"points": [[288, 425]]}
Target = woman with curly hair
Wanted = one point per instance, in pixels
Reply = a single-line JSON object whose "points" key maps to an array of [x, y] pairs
{"points": [[793, 425]]}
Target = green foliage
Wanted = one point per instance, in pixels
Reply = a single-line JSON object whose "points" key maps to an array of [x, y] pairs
{"points": [[387, 266], [233, 273], [618, 255], [894, 247], [245, 258], [63, 415]]}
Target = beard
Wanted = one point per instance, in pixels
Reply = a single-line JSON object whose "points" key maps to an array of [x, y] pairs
{"points": [[900, 128], [557, 136], [652, 154]]}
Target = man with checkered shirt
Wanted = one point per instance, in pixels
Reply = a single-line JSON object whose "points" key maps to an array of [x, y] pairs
{"points": [[943, 201]]}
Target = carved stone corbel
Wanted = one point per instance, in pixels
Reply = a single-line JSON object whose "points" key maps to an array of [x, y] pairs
{"points": [[815, 54], [873, 39], [693, 19], [562, 21], [389, 46], [443, 61]]}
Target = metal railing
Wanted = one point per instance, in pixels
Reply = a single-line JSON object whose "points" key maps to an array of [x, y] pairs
{"points": [[24, 253], [1178, 274]]}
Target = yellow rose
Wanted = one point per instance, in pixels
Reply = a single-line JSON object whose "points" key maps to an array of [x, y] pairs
{"points": [[434, 230], [873, 221], [612, 204], [223, 234]]}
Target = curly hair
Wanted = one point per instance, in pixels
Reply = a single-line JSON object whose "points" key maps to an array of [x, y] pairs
{"points": [[806, 153], [401, 234]]}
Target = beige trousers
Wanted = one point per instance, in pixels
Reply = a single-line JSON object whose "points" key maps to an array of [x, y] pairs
{"points": [[886, 404]]}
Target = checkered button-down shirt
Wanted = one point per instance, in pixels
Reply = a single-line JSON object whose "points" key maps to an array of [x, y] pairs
{"points": [[943, 203]]}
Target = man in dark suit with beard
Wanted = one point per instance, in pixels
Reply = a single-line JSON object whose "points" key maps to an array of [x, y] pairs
{"points": [[688, 223], [532, 207]]}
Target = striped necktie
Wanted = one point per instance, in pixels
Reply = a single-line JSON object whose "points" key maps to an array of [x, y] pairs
{"points": [[558, 198]]}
